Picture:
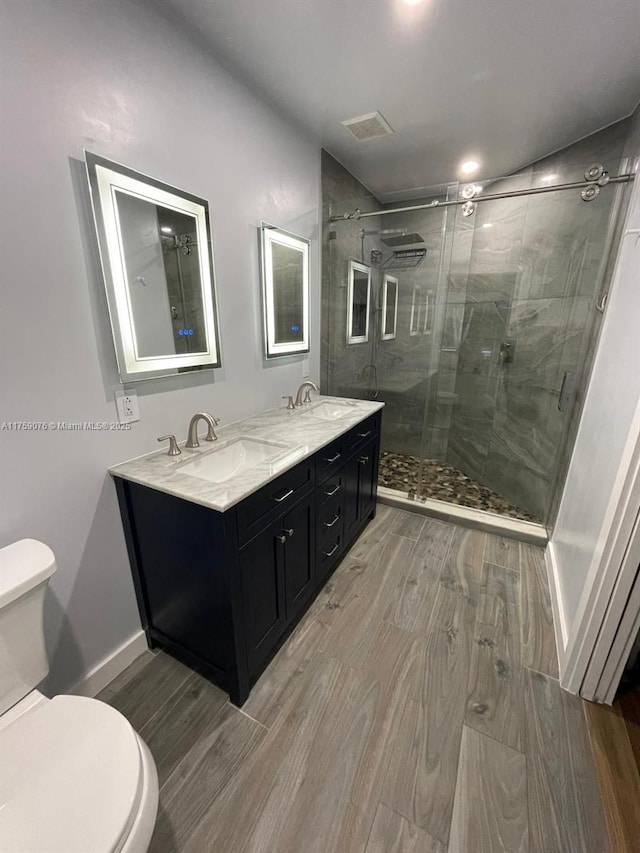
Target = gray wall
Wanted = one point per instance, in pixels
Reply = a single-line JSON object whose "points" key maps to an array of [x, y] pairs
{"points": [[344, 367], [119, 79]]}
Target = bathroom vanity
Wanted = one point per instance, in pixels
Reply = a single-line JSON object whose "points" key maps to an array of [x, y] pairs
{"points": [[230, 543]]}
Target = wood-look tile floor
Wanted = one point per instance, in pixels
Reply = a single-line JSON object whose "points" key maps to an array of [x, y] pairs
{"points": [[415, 708]]}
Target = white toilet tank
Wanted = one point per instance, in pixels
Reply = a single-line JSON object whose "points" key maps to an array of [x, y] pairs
{"points": [[25, 569]]}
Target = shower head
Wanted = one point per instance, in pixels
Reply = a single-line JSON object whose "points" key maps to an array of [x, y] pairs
{"points": [[393, 236], [402, 240]]}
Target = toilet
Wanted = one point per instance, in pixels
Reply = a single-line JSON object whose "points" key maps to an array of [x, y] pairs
{"points": [[74, 775]]}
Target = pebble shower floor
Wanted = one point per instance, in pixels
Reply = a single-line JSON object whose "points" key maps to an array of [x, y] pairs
{"points": [[443, 482]]}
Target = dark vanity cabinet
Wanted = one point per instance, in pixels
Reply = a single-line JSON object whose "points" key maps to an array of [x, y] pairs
{"points": [[276, 570], [222, 590]]}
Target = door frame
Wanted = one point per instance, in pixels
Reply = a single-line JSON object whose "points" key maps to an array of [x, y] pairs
{"points": [[602, 681], [584, 653]]}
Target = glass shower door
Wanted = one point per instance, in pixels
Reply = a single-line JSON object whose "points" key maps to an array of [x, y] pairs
{"points": [[520, 326]]}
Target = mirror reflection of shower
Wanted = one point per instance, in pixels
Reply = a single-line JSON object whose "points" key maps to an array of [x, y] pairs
{"points": [[181, 261], [407, 253]]}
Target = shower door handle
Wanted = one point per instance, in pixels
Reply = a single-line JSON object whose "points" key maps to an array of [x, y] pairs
{"points": [[567, 391], [561, 394]]}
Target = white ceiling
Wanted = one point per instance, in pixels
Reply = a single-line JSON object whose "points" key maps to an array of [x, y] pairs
{"points": [[504, 81]]}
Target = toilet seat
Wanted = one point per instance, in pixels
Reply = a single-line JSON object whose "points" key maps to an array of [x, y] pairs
{"points": [[72, 778]]}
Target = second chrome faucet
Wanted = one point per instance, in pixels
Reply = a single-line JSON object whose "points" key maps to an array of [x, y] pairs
{"points": [[192, 434], [310, 386]]}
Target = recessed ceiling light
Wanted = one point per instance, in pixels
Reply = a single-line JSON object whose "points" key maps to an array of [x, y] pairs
{"points": [[487, 225], [469, 167], [166, 230], [549, 178], [412, 2]]}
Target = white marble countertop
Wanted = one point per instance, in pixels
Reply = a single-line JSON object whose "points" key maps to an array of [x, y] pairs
{"points": [[293, 435]]}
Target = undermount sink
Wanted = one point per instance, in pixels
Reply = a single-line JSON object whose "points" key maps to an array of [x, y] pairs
{"points": [[328, 411], [238, 455]]}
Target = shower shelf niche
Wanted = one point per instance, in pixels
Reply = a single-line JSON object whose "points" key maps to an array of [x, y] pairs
{"points": [[404, 259]]}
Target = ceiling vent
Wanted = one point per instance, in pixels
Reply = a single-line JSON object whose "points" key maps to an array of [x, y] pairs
{"points": [[368, 126]]}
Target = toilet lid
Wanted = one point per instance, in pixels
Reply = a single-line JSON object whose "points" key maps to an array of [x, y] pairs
{"points": [[70, 780]]}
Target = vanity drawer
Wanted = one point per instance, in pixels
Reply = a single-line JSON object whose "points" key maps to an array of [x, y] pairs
{"points": [[330, 458], [330, 516], [329, 552], [365, 431], [263, 506], [331, 489]]}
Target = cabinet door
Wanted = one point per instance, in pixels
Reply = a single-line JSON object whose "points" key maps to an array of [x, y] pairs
{"points": [[299, 556], [351, 490], [263, 591], [368, 479], [360, 475]]}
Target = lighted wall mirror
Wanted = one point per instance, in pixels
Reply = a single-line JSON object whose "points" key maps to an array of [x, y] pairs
{"points": [[427, 321], [389, 307], [285, 291], [416, 307], [157, 262], [358, 298]]}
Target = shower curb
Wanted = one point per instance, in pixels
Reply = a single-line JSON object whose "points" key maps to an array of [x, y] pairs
{"points": [[524, 531]]}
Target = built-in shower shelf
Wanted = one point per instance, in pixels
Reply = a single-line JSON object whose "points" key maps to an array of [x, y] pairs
{"points": [[404, 259]]}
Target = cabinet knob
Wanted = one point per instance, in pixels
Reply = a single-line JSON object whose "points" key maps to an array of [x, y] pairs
{"points": [[281, 538], [289, 532], [363, 460]]}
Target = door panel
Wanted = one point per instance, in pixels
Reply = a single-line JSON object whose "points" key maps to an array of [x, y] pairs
{"points": [[298, 554], [261, 568]]}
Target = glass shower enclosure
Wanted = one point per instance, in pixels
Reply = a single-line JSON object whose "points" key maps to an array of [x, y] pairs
{"points": [[483, 318]]}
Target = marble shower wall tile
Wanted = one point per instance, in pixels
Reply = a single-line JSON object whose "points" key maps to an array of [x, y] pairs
{"points": [[510, 478]]}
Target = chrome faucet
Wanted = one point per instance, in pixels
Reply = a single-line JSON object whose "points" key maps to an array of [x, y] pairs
{"points": [[307, 397], [192, 434]]}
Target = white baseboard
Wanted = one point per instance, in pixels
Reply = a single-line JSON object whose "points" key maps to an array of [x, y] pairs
{"points": [[104, 672], [557, 607]]}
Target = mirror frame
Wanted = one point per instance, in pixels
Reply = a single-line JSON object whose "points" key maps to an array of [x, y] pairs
{"points": [[389, 279], [416, 306], [105, 177], [268, 235], [357, 266], [427, 325]]}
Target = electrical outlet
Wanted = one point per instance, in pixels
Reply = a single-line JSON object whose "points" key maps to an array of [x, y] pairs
{"points": [[305, 368], [127, 406]]}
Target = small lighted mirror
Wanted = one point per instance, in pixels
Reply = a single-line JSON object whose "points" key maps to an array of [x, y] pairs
{"points": [[157, 263], [389, 307], [427, 323], [358, 292], [285, 291], [416, 309]]}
